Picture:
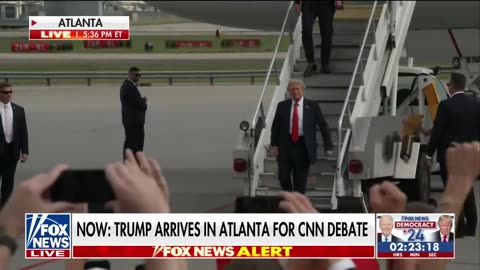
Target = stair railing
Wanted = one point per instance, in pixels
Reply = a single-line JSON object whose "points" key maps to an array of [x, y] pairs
{"points": [[338, 185], [381, 70]]}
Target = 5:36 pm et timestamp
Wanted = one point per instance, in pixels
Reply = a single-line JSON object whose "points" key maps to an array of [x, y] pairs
{"points": [[103, 34]]}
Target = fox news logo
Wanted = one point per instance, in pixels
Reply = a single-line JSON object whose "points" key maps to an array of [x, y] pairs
{"points": [[47, 236]]}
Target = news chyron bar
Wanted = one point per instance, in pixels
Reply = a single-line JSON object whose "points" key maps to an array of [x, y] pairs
{"points": [[416, 236], [79, 28], [214, 236]]}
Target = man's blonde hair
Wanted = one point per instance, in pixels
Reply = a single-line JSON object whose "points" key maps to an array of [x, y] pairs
{"points": [[297, 82], [445, 218]]}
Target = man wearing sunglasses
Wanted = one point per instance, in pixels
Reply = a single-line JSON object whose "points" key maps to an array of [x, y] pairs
{"points": [[13, 140], [134, 108]]}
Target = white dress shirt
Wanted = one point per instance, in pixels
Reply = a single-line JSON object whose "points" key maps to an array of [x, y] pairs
{"points": [[386, 239], [300, 116], [134, 83], [441, 237], [459, 92], [6, 112]]}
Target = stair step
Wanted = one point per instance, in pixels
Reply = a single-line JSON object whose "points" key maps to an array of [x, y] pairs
{"points": [[345, 39], [338, 53], [334, 133], [346, 26], [325, 80], [322, 165], [336, 66], [322, 203], [322, 181], [332, 108], [320, 151], [332, 120], [319, 195], [329, 94]]}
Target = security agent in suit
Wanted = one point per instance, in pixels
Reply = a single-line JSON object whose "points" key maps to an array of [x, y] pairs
{"points": [[134, 108], [294, 137], [325, 11], [13, 140], [444, 234], [457, 121]]}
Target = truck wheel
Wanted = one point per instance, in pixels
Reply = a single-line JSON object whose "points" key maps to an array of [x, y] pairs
{"points": [[418, 189], [422, 179]]}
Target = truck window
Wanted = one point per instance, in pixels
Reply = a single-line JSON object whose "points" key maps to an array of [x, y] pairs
{"points": [[404, 89], [441, 90]]}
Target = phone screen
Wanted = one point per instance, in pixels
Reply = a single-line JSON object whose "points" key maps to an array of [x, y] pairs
{"points": [[246, 204], [79, 186]]}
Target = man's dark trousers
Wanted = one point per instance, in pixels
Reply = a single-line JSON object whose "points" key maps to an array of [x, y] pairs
{"points": [[469, 207], [325, 11], [295, 161], [8, 166], [134, 137]]}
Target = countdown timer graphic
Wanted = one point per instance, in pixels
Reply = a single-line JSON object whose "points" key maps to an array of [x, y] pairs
{"points": [[416, 235]]}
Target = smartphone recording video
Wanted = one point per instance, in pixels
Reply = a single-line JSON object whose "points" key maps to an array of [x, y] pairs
{"points": [[247, 204], [79, 186]]}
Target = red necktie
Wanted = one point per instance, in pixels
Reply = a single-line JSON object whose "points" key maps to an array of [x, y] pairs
{"points": [[444, 238], [295, 128]]}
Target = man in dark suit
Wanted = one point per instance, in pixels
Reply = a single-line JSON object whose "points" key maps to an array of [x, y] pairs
{"points": [[294, 137], [386, 225], [134, 108], [325, 11], [457, 121], [445, 224], [13, 140]]}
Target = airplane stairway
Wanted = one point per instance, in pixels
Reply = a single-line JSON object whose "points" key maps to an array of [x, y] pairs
{"points": [[329, 91], [365, 56]]}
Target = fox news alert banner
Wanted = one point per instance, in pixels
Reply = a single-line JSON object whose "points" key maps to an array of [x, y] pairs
{"points": [[416, 235], [79, 28], [137, 236]]}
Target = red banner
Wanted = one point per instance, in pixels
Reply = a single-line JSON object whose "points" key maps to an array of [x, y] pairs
{"points": [[47, 34], [193, 44], [29, 47], [223, 252], [241, 43], [93, 44], [415, 255]]}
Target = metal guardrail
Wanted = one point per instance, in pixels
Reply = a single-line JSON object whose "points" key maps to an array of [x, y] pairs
{"points": [[346, 103], [170, 75]]}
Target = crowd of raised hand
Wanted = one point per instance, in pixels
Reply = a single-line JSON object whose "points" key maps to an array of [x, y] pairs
{"points": [[140, 187]]}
